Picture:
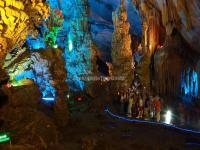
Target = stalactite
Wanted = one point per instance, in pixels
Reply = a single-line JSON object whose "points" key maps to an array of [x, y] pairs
{"points": [[170, 15], [154, 25], [183, 6], [151, 26], [170, 65]]}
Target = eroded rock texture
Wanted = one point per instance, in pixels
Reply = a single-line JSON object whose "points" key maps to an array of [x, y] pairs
{"points": [[30, 118], [23, 118], [122, 59], [56, 69], [165, 22], [101, 25], [181, 15], [171, 61], [46, 68], [78, 54], [18, 19]]}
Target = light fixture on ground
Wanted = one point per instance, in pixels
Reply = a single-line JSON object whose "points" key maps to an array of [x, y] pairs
{"points": [[55, 46], [4, 138], [48, 98], [168, 117]]}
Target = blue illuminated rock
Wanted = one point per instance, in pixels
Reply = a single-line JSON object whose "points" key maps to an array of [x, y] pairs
{"points": [[75, 39], [40, 74], [78, 53], [35, 43], [176, 73]]}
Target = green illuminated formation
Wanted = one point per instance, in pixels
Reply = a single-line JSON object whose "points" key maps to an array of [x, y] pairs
{"points": [[51, 37], [55, 25], [4, 137]]}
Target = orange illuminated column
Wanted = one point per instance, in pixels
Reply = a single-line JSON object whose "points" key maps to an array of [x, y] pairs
{"points": [[153, 33]]}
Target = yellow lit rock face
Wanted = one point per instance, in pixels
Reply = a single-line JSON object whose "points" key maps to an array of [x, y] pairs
{"points": [[13, 19], [17, 20], [3, 48]]}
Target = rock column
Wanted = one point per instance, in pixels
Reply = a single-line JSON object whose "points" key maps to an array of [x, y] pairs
{"points": [[122, 58]]}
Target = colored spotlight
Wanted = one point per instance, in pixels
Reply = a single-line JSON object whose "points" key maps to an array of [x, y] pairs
{"points": [[48, 98], [79, 99], [70, 45], [55, 46]]}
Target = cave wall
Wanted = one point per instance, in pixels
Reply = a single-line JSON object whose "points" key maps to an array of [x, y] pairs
{"points": [[159, 19], [64, 28], [180, 14], [46, 68], [18, 20], [172, 63], [170, 30], [75, 39]]}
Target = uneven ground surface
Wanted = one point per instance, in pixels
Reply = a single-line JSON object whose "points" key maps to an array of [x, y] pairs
{"points": [[34, 126], [101, 132]]}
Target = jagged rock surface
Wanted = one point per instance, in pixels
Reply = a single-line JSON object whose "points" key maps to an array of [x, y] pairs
{"points": [[122, 58], [29, 127], [18, 19], [181, 15], [170, 62]]}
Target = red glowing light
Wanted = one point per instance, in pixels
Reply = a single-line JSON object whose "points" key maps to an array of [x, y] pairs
{"points": [[161, 46], [8, 85], [79, 98]]}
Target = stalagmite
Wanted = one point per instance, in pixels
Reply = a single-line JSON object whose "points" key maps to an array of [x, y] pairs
{"points": [[121, 50]]}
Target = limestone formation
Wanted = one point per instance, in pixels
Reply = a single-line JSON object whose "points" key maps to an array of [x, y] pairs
{"points": [[17, 20], [56, 69], [24, 119], [46, 68], [79, 53], [168, 14], [171, 64], [61, 114], [122, 58]]}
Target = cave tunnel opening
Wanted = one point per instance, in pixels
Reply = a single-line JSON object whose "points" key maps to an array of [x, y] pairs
{"points": [[102, 66]]}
